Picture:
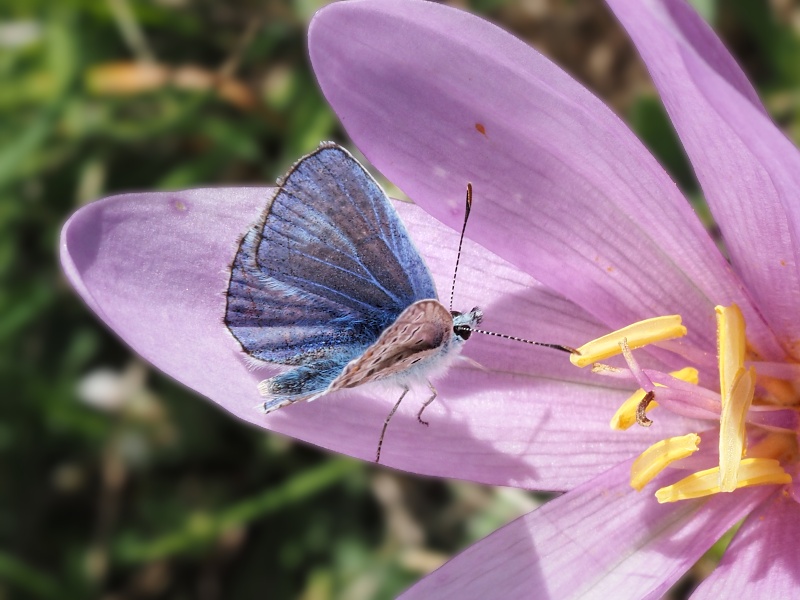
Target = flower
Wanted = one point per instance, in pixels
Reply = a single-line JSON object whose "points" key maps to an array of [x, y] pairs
{"points": [[154, 266], [435, 97], [577, 231]]}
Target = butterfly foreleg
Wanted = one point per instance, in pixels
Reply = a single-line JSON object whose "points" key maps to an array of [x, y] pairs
{"points": [[425, 404], [386, 423]]}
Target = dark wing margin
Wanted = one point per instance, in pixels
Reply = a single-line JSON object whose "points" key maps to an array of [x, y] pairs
{"points": [[329, 266]]}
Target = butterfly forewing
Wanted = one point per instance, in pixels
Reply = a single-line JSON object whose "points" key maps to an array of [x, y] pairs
{"points": [[331, 232], [278, 323], [330, 265], [418, 333]]}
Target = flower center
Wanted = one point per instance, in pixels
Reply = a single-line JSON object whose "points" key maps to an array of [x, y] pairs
{"points": [[756, 408]]}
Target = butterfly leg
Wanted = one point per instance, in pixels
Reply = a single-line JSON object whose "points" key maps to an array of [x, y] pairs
{"points": [[386, 423], [425, 404]]}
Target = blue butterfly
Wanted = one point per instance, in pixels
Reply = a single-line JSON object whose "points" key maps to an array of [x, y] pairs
{"points": [[329, 283]]}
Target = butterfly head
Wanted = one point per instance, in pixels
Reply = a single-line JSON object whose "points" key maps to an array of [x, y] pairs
{"points": [[464, 323]]}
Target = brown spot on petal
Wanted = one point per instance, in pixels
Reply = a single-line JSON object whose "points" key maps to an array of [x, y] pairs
{"points": [[179, 205], [480, 128]]}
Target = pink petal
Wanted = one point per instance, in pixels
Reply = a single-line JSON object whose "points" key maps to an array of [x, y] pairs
{"points": [[762, 560], [600, 540], [512, 302], [749, 171], [436, 97], [154, 267]]}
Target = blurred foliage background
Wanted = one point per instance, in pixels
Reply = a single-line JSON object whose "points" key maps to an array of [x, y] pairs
{"points": [[116, 482]]}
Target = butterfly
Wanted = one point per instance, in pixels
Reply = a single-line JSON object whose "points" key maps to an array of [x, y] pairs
{"points": [[329, 283]]}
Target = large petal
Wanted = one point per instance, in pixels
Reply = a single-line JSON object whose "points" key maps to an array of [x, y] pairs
{"points": [[749, 171], [154, 267], [762, 558], [436, 97], [600, 540]]}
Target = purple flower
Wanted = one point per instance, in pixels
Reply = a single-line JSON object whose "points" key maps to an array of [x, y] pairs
{"points": [[435, 97], [579, 231]]}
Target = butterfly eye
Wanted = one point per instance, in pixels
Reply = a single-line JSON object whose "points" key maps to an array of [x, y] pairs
{"points": [[462, 331]]}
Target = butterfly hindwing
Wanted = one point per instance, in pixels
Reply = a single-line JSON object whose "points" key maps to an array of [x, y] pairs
{"points": [[421, 332], [302, 383]]}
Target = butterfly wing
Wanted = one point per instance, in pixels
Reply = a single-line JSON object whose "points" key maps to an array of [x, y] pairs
{"points": [[420, 334], [279, 323], [326, 270], [332, 232]]}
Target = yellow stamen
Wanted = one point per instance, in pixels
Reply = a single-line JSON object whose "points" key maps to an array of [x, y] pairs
{"points": [[602, 369], [731, 340], [736, 390], [687, 374], [660, 455], [731, 428], [753, 471], [626, 414], [639, 334]]}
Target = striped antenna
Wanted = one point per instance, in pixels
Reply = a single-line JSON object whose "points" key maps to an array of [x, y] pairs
{"points": [[460, 242], [560, 347]]}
